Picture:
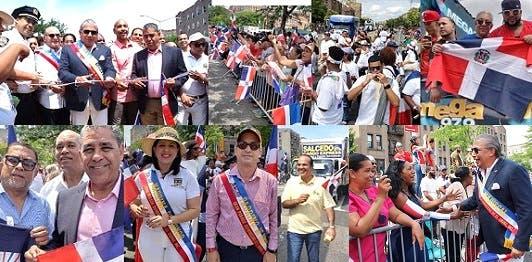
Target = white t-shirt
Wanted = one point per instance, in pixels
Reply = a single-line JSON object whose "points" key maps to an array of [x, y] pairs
{"points": [[363, 60], [331, 89], [413, 88], [194, 165], [193, 87], [325, 44], [429, 184], [370, 101], [177, 190], [350, 67]]}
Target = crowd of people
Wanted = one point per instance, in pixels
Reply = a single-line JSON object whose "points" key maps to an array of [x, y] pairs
{"points": [[413, 187], [332, 75], [63, 79]]}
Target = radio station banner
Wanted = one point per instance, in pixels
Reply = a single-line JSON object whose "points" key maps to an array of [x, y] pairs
{"points": [[326, 150]]}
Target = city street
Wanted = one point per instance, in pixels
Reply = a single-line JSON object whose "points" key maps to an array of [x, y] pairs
{"points": [[222, 108]]}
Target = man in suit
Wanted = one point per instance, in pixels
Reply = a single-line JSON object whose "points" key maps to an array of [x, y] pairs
{"points": [[83, 61], [93, 207], [153, 70], [510, 185]]}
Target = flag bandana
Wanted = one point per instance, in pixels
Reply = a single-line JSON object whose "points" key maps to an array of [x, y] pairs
{"points": [[496, 72]]}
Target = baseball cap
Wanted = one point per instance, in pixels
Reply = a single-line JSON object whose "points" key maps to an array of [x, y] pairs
{"points": [[249, 129], [196, 36], [430, 16], [510, 4], [27, 11], [392, 44]]}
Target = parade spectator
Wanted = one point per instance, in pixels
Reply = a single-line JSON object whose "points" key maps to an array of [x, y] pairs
{"points": [[430, 20], [194, 159], [136, 36], [183, 42], [428, 185], [33, 42], [483, 25], [401, 153], [513, 25], [456, 158], [69, 39]]}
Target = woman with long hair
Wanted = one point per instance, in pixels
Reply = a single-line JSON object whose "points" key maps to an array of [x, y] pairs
{"points": [[169, 199], [370, 207]]}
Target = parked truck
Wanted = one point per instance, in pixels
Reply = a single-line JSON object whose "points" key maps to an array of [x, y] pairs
{"points": [[329, 156], [343, 22]]}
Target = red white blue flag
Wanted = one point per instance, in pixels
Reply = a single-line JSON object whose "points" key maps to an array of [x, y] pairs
{"points": [[287, 115], [246, 80], [200, 138], [496, 72], [272, 154], [14, 241]]}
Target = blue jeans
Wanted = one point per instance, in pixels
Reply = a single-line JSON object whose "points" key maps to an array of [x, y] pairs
{"points": [[419, 176], [295, 244]]}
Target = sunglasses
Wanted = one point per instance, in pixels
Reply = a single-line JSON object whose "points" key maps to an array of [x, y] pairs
{"points": [[198, 44], [483, 22], [27, 164], [92, 32], [477, 149], [513, 11], [243, 145], [54, 35]]}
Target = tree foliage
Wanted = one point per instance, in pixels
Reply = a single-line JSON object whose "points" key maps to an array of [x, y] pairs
{"points": [[218, 15], [525, 158], [409, 19], [319, 11], [457, 135], [249, 18], [43, 24]]}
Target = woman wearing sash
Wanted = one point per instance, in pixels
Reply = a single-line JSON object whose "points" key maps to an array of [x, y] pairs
{"points": [[370, 207], [169, 199], [402, 176]]}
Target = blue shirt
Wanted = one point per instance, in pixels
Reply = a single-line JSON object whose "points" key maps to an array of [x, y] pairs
{"points": [[35, 212]]}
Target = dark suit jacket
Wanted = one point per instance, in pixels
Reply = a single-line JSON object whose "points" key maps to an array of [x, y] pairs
{"points": [[71, 67], [172, 65], [516, 194], [69, 204]]}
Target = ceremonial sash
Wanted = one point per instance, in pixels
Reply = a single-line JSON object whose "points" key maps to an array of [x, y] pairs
{"points": [[159, 204], [51, 58], [92, 65], [246, 212], [168, 115], [499, 212]]}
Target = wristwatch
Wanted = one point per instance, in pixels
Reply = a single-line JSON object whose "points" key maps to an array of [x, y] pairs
{"points": [[388, 86], [273, 251]]}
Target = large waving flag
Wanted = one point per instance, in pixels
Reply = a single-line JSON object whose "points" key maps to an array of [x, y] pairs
{"points": [[246, 80], [11, 134], [14, 241], [333, 179], [272, 154], [496, 72], [108, 246], [287, 115]]}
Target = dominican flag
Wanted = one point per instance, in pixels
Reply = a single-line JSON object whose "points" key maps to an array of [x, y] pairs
{"points": [[231, 57], [131, 191], [241, 54], [11, 134], [333, 180], [491, 257], [200, 138], [287, 115], [108, 246], [14, 241], [272, 154], [496, 72], [246, 80]]}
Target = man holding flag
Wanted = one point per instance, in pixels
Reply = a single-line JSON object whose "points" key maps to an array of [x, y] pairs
{"points": [[306, 199], [242, 207]]}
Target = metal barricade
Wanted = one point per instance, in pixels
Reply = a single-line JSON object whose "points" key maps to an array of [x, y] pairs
{"points": [[442, 243]]}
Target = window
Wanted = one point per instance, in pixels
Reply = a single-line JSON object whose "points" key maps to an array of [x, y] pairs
{"points": [[370, 141], [378, 140]]}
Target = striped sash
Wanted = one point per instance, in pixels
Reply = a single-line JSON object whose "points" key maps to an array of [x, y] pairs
{"points": [[159, 204], [246, 212], [50, 57]]}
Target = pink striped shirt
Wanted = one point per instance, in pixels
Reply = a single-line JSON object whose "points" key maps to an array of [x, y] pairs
{"points": [[222, 218], [122, 57], [97, 215]]}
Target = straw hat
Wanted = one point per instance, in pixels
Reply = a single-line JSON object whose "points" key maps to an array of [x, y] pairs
{"points": [[165, 133]]}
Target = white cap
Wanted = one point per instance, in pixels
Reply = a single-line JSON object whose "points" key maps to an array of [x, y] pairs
{"points": [[398, 144], [196, 36]]}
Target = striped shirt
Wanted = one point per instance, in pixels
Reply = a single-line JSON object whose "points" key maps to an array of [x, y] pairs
{"points": [[222, 218]]}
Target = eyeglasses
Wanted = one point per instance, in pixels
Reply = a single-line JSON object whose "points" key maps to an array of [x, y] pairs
{"points": [[198, 44], [243, 145], [137, 34], [374, 68], [54, 35], [92, 32], [483, 22], [27, 164], [513, 11]]}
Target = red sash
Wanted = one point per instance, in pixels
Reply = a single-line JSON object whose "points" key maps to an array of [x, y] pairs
{"points": [[49, 59]]}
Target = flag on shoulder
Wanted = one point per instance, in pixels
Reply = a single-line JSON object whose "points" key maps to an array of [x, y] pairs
{"points": [[246, 80], [108, 246], [496, 72], [287, 115], [14, 241]]}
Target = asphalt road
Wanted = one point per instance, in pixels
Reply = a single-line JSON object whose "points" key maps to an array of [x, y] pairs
{"points": [[223, 110]]}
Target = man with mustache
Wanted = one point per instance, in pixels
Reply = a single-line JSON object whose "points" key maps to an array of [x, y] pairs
{"points": [[513, 25], [123, 107]]}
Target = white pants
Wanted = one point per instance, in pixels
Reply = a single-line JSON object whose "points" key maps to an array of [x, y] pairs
{"points": [[198, 111], [82, 117], [154, 245]]}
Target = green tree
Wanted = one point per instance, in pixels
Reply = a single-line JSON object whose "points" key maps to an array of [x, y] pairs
{"points": [[218, 15], [43, 24], [248, 18], [408, 20], [319, 11], [353, 145], [525, 158], [457, 135]]}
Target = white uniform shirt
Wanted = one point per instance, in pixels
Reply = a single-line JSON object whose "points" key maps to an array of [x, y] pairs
{"points": [[370, 101], [331, 89], [47, 97], [26, 65], [193, 87]]}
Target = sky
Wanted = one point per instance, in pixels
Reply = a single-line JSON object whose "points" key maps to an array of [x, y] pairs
{"points": [[385, 9], [475, 6], [320, 131], [516, 134], [72, 13], [261, 2]]}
